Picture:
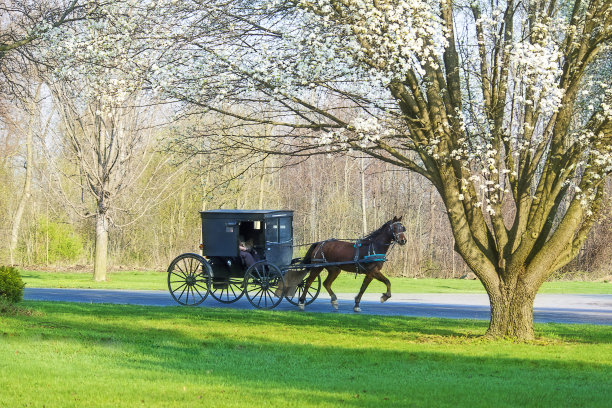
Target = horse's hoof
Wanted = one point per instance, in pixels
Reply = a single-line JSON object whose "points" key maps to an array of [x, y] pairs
{"points": [[301, 306], [334, 304], [384, 298], [356, 309]]}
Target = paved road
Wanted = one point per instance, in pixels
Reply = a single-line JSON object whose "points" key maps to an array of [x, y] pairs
{"points": [[590, 309]]}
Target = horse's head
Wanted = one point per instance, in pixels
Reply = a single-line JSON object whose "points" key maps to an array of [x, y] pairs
{"points": [[398, 230]]}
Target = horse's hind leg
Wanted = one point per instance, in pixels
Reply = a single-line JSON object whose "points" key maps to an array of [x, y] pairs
{"points": [[379, 276], [313, 275], [364, 286], [332, 274]]}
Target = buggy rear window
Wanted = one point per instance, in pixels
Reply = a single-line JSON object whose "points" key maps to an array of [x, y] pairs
{"points": [[272, 230], [284, 230]]}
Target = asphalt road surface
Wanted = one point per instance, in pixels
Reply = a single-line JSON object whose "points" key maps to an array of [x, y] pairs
{"points": [[588, 309]]}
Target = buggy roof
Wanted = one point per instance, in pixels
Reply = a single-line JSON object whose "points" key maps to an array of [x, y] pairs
{"points": [[245, 214]]}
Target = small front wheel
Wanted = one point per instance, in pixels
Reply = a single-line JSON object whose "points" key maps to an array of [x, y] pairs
{"points": [[264, 285], [189, 278], [227, 290]]}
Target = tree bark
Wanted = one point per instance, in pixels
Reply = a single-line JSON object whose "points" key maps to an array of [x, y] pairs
{"points": [[432, 227], [101, 251], [512, 311]]}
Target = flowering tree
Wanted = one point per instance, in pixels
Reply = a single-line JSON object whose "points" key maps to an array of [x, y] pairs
{"points": [[500, 105], [97, 76], [23, 22], [28, 20]]}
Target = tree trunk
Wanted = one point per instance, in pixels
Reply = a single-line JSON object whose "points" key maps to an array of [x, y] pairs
{"points": [[364, 221], [432, 226], [27, 189], [512, 312], [101, 248], [262, 179], [313, 202]]}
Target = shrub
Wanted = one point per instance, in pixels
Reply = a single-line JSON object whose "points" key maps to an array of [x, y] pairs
{"points": [[51, 241], [11, 285]]}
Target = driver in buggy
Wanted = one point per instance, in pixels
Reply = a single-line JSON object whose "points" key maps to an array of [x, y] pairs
{"points": [[247, 253]]}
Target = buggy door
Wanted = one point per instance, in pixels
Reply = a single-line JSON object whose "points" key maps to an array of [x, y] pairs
{"points": [[279, 240]]}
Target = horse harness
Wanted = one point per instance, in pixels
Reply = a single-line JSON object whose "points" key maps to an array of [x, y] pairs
{"points": [[371, 256], [320, 251]]}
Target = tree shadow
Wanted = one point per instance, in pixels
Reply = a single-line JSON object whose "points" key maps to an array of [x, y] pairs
{"points": [[187, 343], [198, 344]]}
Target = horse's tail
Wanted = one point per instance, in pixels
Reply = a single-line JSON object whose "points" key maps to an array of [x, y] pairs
{"points": [[308, 257], [294, 276]]}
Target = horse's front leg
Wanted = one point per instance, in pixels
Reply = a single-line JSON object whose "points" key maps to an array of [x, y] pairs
{"points": [[364, 286], [379, 276]]}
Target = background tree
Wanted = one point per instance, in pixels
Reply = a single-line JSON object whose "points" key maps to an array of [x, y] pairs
{"points": [[27, 131], [22, 23], [99, 70], [482, 99]]}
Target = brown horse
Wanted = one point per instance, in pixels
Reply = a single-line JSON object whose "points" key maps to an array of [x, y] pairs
{"points": [[366, 256]]}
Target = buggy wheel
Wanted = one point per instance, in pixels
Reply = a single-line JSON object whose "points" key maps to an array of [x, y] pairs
{"points": [[311, 295], [189, 279], [262, 281], [227, 290]]}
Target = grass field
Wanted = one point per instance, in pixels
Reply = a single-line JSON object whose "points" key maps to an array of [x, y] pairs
{"points": [[75, 355], [346, 283]]}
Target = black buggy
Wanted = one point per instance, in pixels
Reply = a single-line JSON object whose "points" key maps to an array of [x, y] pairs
{"points": [[220, 270]]}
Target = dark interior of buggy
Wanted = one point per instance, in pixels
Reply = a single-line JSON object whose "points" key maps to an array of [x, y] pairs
{"points": [[252, 234], [263, 239]]}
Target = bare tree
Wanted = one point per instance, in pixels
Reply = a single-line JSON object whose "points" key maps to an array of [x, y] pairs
{"points": [[98, 71], [112, 151], [28, 131]]}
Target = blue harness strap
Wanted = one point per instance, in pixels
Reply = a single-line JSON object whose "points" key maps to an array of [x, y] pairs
{"points": [[372, 257], [357, 246], [375, 258]]}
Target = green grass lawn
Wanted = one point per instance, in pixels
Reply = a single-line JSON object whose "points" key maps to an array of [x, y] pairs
{"points": [[97, 355], [346, 283]]}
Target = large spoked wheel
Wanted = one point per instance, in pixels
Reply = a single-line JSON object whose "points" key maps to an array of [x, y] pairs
{"points": [[189, 279], [227, 290], [264, 285], [311, 295]]}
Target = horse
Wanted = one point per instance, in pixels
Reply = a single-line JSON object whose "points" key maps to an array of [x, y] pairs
{"points": [[365, 256]]}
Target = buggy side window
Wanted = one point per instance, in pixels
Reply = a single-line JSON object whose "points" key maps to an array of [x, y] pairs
{"points": [[272, 230], [284, 230]]}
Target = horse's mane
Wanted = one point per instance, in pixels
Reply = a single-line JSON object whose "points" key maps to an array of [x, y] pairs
{"points": [[376, 231]]}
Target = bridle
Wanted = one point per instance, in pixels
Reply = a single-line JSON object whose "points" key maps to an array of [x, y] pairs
{"points": [[396, 233]]}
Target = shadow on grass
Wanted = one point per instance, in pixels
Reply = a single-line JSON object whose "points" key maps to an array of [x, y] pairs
{"points": [[195, 345], [417, 326], [327, 322], [249, 350]]}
